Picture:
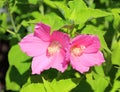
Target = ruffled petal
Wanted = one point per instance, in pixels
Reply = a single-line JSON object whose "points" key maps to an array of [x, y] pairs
{"points": [[91, 42], [77, 65], [59, 62], [63, 38], [91, 59], [33, 46], [40, 64], [42, 31]]}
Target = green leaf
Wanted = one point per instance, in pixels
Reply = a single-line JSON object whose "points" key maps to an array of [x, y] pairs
{"points": [[15, 80], [77, 4], [56, 86], [117, 10], [97, 82], [50, 3], [3, 23], [34, 87], [80, 16], [99, 70], [116, 86], [64, 85], [116, 53], [11, 84], [47, 86], [33, 1], [116, 22], [51, 19], [83, 87], [100, 84], [19, 59]]}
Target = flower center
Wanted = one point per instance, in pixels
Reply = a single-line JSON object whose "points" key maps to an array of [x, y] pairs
{"points": [[53, 48], [77, 51]]}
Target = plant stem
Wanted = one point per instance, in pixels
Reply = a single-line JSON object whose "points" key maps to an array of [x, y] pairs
{"points": [[13, 24], [9, 31]]}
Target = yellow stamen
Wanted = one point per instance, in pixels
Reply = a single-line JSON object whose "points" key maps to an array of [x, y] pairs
{"points": [[53, 48], [77, 51]]}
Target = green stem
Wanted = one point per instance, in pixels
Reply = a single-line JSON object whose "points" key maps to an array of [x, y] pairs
{"points": [[13, 23], [9, 31]]}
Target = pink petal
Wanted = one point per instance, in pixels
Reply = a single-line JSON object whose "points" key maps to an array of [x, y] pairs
{"points": [[40, 64], [77, 65], [63, 38], [91, 59], [59, 62], [42, 31], [33, 46], [91, 42], [85, 61]]}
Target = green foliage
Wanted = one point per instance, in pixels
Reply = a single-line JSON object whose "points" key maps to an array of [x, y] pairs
{"points": [[56, 86], [18, 59], [96, 17], [116, 53], [34, 88]]}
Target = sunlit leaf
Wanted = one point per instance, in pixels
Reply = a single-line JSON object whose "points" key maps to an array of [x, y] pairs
{"points": [[116, 86], [19, 59], [116, 54], [51, 19], [116, 15], [33, 1], [34, 87], [78, 4], [69, 84], [98, 82], [80, 16]]}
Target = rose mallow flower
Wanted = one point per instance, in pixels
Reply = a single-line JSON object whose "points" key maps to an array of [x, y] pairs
{"points": [[48, 50], [85, 53]]}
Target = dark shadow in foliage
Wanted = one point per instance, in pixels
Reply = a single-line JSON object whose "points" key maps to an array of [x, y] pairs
{"points": [[48, 75], [82, 87], [25, 7], [112, 74], [107, 3], [36, 78], [67, 74], [4, 47], [27, 61], [17, 77]]}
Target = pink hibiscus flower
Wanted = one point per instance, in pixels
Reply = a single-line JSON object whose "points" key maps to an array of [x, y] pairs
{"points": [[84, 52], [48, 51]]}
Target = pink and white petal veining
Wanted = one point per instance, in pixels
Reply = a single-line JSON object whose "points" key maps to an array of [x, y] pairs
{"points": [[94, 47], [42, 31], [40, 63], [91, 43], [82, 40], [91, 59], [33, 46], [63, 38], [77, 65], [59, 62]]}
